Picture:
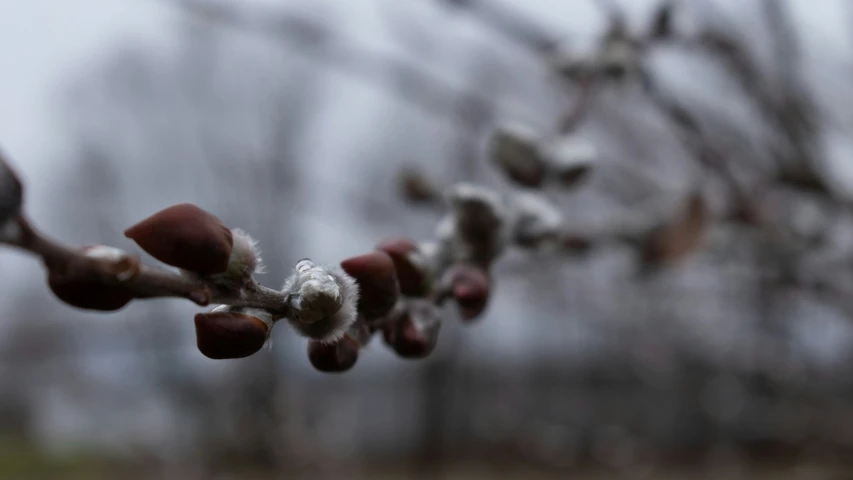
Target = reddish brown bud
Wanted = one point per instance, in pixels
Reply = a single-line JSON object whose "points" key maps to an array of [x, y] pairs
{"points": [[88, 294], [94, 294], [412, 276], [187, 237], [679, 237], [228, 334], [334, 357], [377, 281], [408, 340], [575, 244], [470, 289], [414, 334]]}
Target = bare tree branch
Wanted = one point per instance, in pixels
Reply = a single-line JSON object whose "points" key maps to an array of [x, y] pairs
{"points": [[405, 80]]}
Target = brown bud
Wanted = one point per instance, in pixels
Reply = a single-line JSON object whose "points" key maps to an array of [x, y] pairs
{"points": [[514, 148], [89, 294], [746, 213], [334, 357], [575, 244], [377, 281], [412, 275], [414, 334], [416, 187], [679, 237], [228, 334], [408, 340], [187, 237], [470, 289]]}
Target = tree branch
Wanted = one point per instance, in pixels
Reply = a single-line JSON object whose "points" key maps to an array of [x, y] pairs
{"points": [[405, 80]]}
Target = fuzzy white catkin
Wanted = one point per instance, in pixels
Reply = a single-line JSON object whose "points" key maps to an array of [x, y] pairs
{"points": [[245, 254], [323, 301], [244, 262]]}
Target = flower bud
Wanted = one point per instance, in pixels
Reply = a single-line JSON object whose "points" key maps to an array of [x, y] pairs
{"points": [[474, 230], [470, 290], [619, 59], [11, 192], [414, 334], [360, 331], [514, 149], [573, 62], [93, 294], [377, 282], [536, 220], [412, 272], [187, 237], [336, 357], [569, 159], [479, 212], [323, 301], [416, 188], [243, 263], [232, 332], [89, 295], [677, 238], [575, 244]]}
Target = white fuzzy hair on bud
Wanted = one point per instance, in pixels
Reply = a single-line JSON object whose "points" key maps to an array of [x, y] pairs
{"points": [[513, 147], [323, 301], [245, 261], [476, 207], [245, 255], [569, 159], [535, 220], [474, 229], [433, 256], [574, 61]]}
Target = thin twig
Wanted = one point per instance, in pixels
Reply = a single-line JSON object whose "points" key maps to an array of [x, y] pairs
{"points": [[312, 40], [509, 23], [127, 271]]}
